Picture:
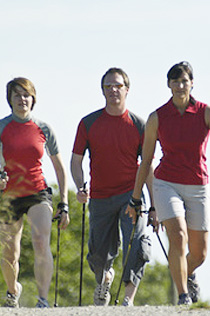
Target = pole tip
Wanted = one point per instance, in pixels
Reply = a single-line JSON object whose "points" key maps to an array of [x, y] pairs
{"points": [[116, 302], [55, 305]]}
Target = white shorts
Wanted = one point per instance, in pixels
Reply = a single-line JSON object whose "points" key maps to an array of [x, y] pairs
{"points": [[180, 200]]}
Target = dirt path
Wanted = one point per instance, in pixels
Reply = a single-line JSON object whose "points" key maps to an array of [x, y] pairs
{"points": [[106, 311]]}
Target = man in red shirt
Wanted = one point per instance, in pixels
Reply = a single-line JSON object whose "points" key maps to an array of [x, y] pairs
{"points": [[114, 136]]}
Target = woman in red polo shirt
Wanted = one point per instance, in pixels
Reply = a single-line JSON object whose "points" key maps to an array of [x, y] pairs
{"points": [[180, 187]]}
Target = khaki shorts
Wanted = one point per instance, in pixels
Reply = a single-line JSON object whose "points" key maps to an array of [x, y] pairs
{"points": [[179, 200]]}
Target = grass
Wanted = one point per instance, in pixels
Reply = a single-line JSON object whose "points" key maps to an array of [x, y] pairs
{"points": [[200, 304]]}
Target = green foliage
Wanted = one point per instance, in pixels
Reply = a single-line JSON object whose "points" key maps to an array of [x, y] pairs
{"points": [[154, 288], [200, 305]]}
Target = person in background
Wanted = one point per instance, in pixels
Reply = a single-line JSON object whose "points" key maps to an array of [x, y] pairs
{"points": [[25, 191], [181, 182], [114, 137]]}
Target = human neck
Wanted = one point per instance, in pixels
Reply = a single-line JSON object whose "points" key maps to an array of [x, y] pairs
{"points": [[21, 117], [181, 103], [115, 110]]}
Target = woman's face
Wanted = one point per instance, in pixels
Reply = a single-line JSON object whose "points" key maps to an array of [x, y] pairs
{"points": [[182, 86], [21, 102]]}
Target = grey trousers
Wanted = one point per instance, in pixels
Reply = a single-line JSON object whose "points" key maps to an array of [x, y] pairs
{"points": [[106, 218]]}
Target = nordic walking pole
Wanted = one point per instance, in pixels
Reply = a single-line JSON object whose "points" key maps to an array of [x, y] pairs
{"points": [[158, 237], [57, 259], [162, 245], [82, 248], [127, 256]]}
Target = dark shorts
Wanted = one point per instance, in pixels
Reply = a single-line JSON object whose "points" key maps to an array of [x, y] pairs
{"points": [[12, 210]]}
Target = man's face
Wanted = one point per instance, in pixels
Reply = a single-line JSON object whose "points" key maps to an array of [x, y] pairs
{"points": [[114, 89]]}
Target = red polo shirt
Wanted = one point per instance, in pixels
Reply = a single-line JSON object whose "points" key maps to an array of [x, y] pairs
{"points": [[183, 139]]}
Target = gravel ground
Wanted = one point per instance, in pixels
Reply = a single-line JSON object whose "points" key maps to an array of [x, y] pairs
{"points": [[106, 311]]}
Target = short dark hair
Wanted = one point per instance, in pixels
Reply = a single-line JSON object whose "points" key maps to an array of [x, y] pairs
{"points": [[26, 84], [177, 70], [120, 72]]}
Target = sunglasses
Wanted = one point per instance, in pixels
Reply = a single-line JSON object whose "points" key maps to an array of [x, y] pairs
{"points": [[115, 85]]}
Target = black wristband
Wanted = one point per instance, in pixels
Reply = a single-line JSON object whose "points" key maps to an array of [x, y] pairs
{"points": [[3, 175], [135, 202], [151, 209], [63, 207]]}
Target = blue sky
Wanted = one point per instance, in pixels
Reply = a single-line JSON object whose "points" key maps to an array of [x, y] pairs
{"points": [[65, 47]]}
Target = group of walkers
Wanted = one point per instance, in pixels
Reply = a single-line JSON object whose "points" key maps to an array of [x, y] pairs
{"points": [[115, 137]]}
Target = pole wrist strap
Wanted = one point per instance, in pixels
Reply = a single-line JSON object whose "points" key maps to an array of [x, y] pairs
{"points": [[63, 207], [135, 203]]}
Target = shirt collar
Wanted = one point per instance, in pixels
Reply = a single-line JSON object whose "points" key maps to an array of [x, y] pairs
{"points": [[190, 109], [20, 120]]}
